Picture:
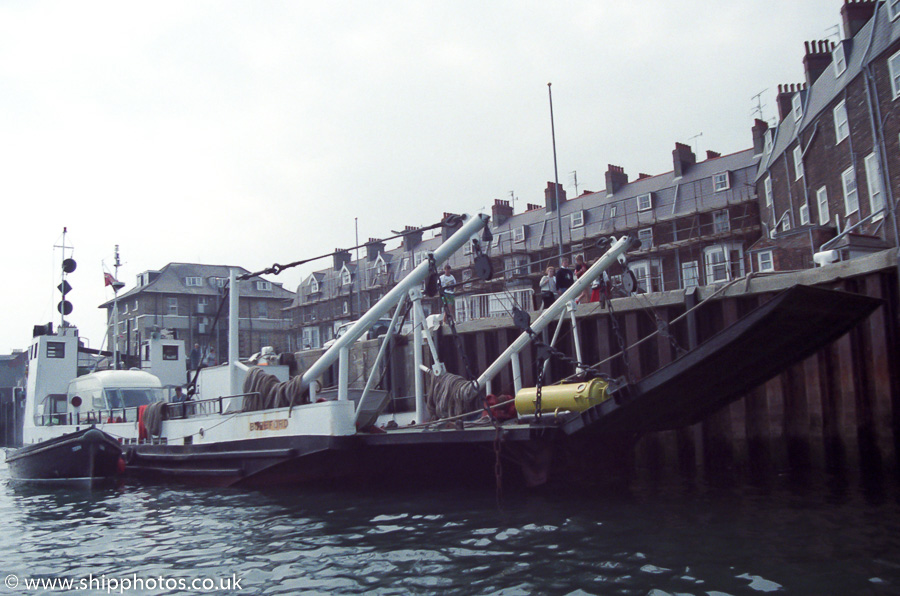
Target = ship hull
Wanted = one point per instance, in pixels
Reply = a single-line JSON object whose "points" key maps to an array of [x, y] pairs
{"points": [[88, 456]]}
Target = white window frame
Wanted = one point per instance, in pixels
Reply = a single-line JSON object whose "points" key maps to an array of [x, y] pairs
{"points": [[404, 264], [894, 71], [576, 219], [346, 277], [873, 182], [797, 106], [645, 235], [641, 271], [893, 7], [263, 286], [381, 265], [822, 202], [716, 270], [313, 284], [798, 162], [804, 214], [768, 189], [839, 59], [690, 274], [193, 281], [721, 181], [721, 221], [172, 305], [841, 122], [135, 304], [851, 191], [262, 309], [786, 221], [767, 264], [419, 256], [769, 141], [645, 201], [519, 234], [612, 210]]}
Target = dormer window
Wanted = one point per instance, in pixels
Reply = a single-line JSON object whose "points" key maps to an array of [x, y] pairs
{"points": [[797, 105], [893, 8], [645, 202], [646, 237], [721, 181], [839, 59], [193, 282], [264, 286], [380, 266], [769, 141], [519, 234], [346, 278], [577, 219], [313, 284]]}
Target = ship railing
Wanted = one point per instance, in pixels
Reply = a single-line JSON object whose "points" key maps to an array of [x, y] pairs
{"points": [[202, 407]]}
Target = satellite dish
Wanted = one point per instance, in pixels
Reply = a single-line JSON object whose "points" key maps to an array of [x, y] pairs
{"points": [[64, 307], [69, 265]]}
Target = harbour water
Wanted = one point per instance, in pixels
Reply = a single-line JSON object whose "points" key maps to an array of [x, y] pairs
{"points": [[787, 538]]}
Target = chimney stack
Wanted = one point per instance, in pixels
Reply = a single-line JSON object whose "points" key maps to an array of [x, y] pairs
{"points": [[816, 60], [642, 175], [412, 237], [856, 13], [712, 154], [616, 178], [682, 158], [501, 212], [550, 196], [341, 257], [785, 97], [374, 247], [532, 207], [759, 136]]}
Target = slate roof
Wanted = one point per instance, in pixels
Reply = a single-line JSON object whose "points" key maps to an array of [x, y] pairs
{"points": [[873, 39]]}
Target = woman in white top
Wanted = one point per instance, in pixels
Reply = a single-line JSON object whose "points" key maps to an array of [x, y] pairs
{"points": [[548, 287]]}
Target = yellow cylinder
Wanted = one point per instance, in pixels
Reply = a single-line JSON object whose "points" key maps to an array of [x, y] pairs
{"points": [[575, 397]]}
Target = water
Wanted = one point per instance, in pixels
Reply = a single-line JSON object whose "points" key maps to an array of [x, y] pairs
{"points": [[657, 540]]}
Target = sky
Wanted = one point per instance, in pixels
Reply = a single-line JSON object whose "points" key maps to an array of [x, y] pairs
{"points": [[249, 133]]}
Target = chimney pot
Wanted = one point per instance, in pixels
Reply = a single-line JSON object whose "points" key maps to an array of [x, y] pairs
{"points": [[682, 159], [816, 60], [616, 178], [855, 15], [550, 195]]}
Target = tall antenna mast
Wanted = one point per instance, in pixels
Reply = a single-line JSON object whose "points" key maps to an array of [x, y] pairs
{"points": [[575, 176], [116, 285], [758, 109], [512, 200], [68, 266]]}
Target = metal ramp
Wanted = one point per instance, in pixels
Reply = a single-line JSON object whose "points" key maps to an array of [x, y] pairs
{"points": [[792, 326]]}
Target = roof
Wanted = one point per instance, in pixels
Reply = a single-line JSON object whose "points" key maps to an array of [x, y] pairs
{"points": [[875, 37], [172, 280]]}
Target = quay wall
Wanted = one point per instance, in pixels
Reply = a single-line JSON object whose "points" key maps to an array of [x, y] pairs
{"points": [[837, 411]]}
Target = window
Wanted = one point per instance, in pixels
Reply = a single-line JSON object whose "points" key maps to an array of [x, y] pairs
{"points": [[135, 305], [768, 185], [873, 181], [641, 270], [690, 275], [804, 214], [172, 303], [645, 202], [202, 304], [519, 234], [404, 264], [841, 124], [221, 282], [193, 282], [612, 211], [893, 8], [577, 219], [822, 201], [786, 221], [798, 161], [894, 69], [646, 237], [840, 61], [716, 264], [313, 284], [721, 221], [346, 307], [170, 352], [769, 140], [797, 106], [380, 266], [264, 286], [419, 257], [56, 349], [515, 265], [346, 278], [262, 309], [764, 261], [851, 197], [721, 181], [125, 308]]}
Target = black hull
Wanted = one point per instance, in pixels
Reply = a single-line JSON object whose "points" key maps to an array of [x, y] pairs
{"points": [[88, 456]]}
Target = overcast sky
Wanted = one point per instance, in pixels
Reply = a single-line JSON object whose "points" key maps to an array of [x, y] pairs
{"points": [[248, 133]]}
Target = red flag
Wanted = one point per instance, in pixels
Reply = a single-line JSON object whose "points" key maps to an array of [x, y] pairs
{"points": [[108, 279]]}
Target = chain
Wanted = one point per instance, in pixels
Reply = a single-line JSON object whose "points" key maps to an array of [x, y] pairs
{"points": [[538, 387], [621, 340]]}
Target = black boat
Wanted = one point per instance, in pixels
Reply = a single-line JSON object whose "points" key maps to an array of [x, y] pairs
{"points": [[87, 456]]}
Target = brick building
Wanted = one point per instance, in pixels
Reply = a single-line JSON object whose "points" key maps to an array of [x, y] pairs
{"points": [[830, 167], [181, 301]]}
